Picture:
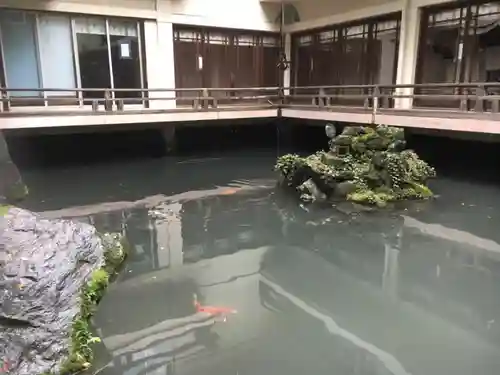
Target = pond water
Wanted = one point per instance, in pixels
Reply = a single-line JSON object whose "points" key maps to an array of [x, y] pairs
{"points": [[314, 291]]}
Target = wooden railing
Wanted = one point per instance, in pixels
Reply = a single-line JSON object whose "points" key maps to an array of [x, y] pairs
{"points": [[119, 100], [466, 97]]}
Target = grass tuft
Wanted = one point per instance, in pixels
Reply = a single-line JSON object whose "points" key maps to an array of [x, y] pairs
{"points": [[81, 353]]}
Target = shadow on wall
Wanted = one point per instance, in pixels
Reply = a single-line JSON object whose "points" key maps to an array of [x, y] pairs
{"points": [[12, 187], [290, 13]]}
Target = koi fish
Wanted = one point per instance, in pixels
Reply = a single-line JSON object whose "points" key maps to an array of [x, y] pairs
{"points": [[5, 367], [230, 191], [213, 310]]}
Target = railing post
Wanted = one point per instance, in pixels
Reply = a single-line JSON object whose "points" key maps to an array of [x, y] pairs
{"points": [[384, 100], [196, 101], [215, 102], [495, 106], [108, 102], [322, 97], [464, 102], [376, 96], [366, 103], [95, 105], [80, 98], [480, 94], [45, 101], [204, 100], [119, 105], [5, 101]]}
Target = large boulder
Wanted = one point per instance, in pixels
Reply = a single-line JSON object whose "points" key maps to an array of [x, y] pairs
{"points": [[367, 165], [12, 187], [52, 275]]}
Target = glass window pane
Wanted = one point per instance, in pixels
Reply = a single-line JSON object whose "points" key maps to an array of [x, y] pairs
{"points": [[56, 53], [20, 51], [125, 58], [93, 55]]}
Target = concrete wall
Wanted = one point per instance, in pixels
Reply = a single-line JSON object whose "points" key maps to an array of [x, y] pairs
{"points": [[11, 185], [242, 14], [319, 13], [160, 70]]}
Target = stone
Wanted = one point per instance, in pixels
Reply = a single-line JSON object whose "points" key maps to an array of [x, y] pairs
{"points": [[12, 187], [332, 159], [376, 170], [310, 188], [343, 189], [47, 264]]}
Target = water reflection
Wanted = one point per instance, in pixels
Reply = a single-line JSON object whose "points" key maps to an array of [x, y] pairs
{"points": [[318, 291]]}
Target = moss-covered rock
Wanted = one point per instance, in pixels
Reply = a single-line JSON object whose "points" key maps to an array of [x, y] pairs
{"points": [[364, 165], [53, 274]]}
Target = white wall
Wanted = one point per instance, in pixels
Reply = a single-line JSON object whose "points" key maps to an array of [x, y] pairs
{"points": [[123, 8], [319, 13], [242, 14], [159, 45]]}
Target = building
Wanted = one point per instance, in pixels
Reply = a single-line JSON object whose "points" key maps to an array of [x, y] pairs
{"points": [[164, 55]]}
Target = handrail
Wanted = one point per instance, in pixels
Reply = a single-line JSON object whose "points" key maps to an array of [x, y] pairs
{"points": [[2, 89], [471, 96], [397, 86], [266, 88]]}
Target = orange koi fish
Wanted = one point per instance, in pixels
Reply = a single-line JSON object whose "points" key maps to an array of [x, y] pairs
{"points": [[213, 310], [230, 191], [5, 367]]}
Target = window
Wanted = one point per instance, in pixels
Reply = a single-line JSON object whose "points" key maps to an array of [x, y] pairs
{"points": [[93, 55], [20, 51], [57, 51], [126, 62]]}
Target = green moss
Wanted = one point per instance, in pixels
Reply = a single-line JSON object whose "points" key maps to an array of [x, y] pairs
{"points": [[4, 209], [17, 192], [376, 164], [81, 354]]}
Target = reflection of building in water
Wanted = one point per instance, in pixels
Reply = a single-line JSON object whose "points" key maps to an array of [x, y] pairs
{"points": [[155, 242], [223, 224], [141, 233], [168, 235], [162, 323], [356, 246], [453, 273], [450, 273]]}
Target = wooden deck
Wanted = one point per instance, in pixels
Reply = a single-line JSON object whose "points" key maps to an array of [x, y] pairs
{"points": [[72, 116]]}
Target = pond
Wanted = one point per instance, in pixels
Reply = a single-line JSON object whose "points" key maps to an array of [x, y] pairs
{"points": [[302, 290]]}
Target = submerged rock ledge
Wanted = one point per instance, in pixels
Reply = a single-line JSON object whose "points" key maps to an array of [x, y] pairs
{"points": [[52, 275], [367, 165]]}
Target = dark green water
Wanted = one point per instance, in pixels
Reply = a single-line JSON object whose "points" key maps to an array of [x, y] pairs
{"points": [[316, 292]]}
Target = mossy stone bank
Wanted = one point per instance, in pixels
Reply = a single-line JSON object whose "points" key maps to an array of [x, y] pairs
{"points": [[53, 274]]}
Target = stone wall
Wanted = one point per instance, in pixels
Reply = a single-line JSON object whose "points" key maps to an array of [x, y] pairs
{"points": [[12, 187]]}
